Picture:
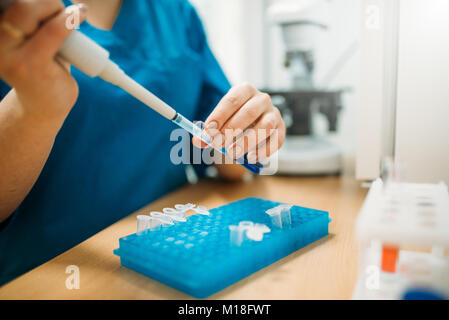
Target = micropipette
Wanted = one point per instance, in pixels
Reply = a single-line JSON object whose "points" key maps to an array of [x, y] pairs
{"points": [[93, 60]]}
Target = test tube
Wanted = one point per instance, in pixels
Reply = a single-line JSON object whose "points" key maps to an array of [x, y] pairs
{"points": [[263, 228], [166, 220], [254, 234], [280, 215], [154, 224], [247, 230], [285, 215], [236, 236], [142, 223], [175, 214], [201, 210], [275, 216], [246, 224], [184, 207]]}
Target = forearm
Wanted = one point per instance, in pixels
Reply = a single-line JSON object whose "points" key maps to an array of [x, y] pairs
{"points": [[25, 143]]}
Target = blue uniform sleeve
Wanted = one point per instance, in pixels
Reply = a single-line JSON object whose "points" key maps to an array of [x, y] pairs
{"points": [[215, 84], [4, 89]]}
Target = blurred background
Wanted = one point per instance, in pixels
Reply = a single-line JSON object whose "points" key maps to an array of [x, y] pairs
{"points": [[304, 53], [354, 79]]}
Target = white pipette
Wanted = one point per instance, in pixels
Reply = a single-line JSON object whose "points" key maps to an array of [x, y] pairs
{"points": [[90, 58]]}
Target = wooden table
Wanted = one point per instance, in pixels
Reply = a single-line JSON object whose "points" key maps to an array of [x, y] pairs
{"points": [[326, 269]]}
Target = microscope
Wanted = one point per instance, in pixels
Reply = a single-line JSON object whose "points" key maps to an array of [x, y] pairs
{"points": [[304, 151]]}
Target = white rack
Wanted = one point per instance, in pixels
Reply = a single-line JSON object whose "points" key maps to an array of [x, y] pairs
{"points": [[403, 234]]}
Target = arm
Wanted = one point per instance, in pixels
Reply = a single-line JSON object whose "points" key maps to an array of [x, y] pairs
{"points": [[43, 94]]}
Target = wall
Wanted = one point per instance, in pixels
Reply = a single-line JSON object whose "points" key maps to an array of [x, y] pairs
{"points": [[422, 130]]}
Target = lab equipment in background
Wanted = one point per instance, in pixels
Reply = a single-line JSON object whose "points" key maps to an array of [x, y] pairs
{"points": [[402, 230], [93, 60], [304, 152], [202, 245]]}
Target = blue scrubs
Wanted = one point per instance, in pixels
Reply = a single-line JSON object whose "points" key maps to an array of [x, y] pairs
{"points": [[112, 155]]}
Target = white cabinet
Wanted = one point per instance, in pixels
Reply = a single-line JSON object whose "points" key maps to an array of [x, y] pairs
{"points": [[422, 116], [404, 105]]}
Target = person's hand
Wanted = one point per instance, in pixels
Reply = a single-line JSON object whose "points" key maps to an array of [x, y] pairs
{"points": [[31, 33], [245, 121]]}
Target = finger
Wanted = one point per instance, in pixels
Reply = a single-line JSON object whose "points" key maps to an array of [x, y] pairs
{"points": [[231, 102], [270, 120], [246, 116], [52, 34], [268, 147], [265, 149], [197, 142], [263, 129], [7, 40], [210, 134], [64, 64], [10, 34], [214, 134], [245, 142], [26, 15]]}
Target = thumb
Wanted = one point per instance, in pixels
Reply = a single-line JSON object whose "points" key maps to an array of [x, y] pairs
{"points": [[197, 142]]}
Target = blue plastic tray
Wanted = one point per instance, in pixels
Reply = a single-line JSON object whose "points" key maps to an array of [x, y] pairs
{"points": [[196, 256]]}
